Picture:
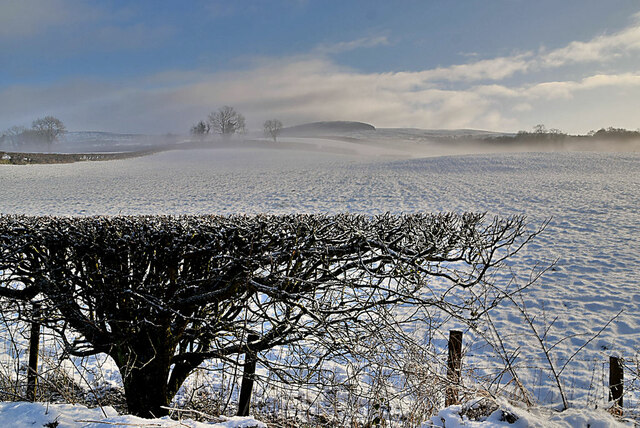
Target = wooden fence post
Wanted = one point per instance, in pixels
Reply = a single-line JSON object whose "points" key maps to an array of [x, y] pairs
{"points": [[34, 347], [250, 359], [616, 380], [454, 367]]}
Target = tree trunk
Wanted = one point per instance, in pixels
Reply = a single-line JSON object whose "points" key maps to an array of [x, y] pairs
{"points": [[146, 390], [145, 375]]}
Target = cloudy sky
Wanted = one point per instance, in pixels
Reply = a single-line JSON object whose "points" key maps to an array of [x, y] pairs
{"points": [[156, 66]]}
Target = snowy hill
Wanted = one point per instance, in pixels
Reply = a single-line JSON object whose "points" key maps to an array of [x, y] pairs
{"points": [[327, 128]]}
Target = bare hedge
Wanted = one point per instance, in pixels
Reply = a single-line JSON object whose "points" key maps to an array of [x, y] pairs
{"points": [[162, 294]]}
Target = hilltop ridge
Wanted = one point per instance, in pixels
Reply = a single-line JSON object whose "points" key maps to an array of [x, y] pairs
{"points": [[327, 127]]}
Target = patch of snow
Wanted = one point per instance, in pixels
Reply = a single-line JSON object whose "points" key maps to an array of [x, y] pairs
{"points": [[29, 415], [510, 416]]}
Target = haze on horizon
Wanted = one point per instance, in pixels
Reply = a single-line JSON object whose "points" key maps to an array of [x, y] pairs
{"points": [[159, 66]]}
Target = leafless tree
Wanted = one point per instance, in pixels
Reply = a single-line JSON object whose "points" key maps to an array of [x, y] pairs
{"points": [[540, 129], [13, 135], [200, 129], [226, 121], [18, 135], [161, 295], [48, 128], [272, 128]]}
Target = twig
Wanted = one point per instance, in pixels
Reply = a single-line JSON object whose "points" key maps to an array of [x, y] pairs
{"points": [[126, 424], [197, 412]]}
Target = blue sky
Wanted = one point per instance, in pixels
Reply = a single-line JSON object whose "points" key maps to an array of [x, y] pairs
{"points": [[159, 66]]}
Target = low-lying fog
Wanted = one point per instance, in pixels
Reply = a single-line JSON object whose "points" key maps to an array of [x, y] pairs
{"points": [[382, 142], [362, 171]]}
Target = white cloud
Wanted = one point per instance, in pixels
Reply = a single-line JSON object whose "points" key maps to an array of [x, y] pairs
{"points": [[496, 91], [364, 42], [551, 90], [487, 69], [567, 89], [523, 107], [602, 48], [302, 90], [313, 87], [296, 92]]}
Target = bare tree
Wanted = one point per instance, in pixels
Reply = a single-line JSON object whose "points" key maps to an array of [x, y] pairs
{"points": [[48, 128], [200, 129], [161, 295], [272, 128], [14, 131], [14, 135], [540, 129], [226, 121]]}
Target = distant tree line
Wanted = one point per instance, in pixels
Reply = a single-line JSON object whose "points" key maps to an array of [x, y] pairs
{"points": [[45, 129], [612, 133], [541, 133]]}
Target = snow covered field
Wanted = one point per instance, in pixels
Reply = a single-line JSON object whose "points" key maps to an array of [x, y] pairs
{"points": [[591, 198]]}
